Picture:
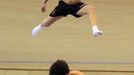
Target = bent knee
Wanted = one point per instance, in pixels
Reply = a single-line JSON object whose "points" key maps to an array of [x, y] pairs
{"points": [[91, 9]]}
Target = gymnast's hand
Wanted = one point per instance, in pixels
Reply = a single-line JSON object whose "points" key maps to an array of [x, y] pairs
{"points": [[43, 7]]}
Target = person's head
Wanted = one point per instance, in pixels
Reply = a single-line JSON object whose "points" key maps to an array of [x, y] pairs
{"points": [[60, 67]]}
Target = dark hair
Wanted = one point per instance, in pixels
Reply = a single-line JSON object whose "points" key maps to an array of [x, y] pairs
{"points": [[60, 67]]}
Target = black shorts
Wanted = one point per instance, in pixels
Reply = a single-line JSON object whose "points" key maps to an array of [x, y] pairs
{"points": [[64, 9]]}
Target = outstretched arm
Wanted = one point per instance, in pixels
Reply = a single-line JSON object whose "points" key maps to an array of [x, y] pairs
{"points": [[44, 1], [43, 5]]}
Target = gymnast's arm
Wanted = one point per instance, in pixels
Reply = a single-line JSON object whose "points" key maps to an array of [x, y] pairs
{"points": [[43, 5], [44, 1]]}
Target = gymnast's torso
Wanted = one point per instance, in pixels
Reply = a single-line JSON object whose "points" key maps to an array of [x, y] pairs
{"points": [[71, 1]]}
